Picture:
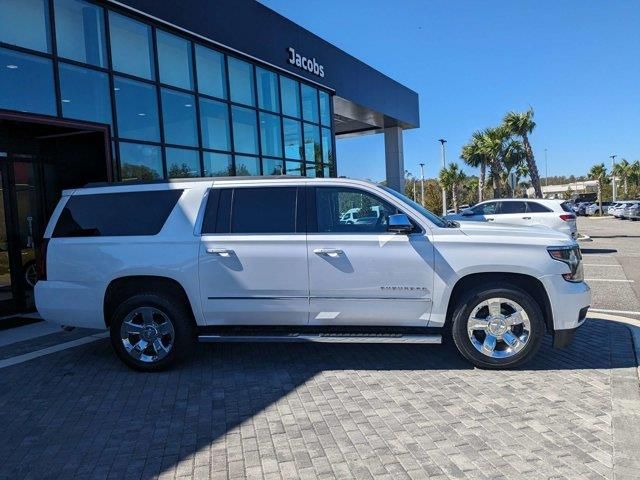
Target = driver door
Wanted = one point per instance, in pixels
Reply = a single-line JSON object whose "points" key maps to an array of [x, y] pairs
{"points": [[360, 274]]}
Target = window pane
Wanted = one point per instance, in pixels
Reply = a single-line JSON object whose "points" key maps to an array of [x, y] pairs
{"points": [[214, 122], [351, 210], [241, 81], [182, 163], [312, 143], [245, 133], [131, 50], [85, 94], [272, 167], [211, 72], [25, 23], [535, 207], [512, 207], [116, 214], [327, 150], [292, 139], [140, 162], [325, 108], [247, 166], [294, 168], [290, 97], [26, 83], [174, 60], [310, 170], [489, 208], [217, 165], [309, 103], [179, 118], [264, 210], [326, 171], [137, 110], [80, 32], [270, 135], [268, 98]]}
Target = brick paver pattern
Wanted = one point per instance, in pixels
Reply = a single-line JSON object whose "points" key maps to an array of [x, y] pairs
{"points": [[315, 411]]}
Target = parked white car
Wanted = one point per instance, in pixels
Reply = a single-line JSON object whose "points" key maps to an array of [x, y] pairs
{"points": [[268, 259], [618, 209], [594, 208], [555, 214]]}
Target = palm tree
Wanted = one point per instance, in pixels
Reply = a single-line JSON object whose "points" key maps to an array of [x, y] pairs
{"points": [[492, 146], [599, 173], [521, 124], [473, 155], [621, 171], [450, 178], [513, 156], [634, 173]]}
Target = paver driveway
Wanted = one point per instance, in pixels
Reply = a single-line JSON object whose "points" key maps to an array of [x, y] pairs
{"points": [[289, 411]]}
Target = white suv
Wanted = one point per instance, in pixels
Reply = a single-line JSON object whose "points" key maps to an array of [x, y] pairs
{"points": [[269, 259], [555, 214]]}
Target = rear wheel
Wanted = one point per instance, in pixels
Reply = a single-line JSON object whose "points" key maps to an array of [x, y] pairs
{"points": [[496, 327], [150, 332]]}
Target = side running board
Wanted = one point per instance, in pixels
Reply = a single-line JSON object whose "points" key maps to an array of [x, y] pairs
{"points": [[325, 338]]}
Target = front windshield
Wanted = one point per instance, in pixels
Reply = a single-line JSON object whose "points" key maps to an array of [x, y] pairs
{"points": [[435, 219]]}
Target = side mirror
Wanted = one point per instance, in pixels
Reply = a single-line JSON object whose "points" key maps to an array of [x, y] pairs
{"points": [[467, 212], [399, 223]]}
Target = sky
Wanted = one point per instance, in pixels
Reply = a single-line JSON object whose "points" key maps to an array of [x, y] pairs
{"points": [[577, 63]]}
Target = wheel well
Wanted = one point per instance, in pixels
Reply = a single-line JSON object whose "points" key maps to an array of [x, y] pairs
{"points": [[122, 288], [529, 284]]}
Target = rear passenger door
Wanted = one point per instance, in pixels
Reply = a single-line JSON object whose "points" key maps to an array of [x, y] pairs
{"points": [[253, 257], [513, 213]]}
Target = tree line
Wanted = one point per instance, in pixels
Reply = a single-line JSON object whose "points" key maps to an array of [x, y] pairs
{"points": [[626, 173], [496, 152]]}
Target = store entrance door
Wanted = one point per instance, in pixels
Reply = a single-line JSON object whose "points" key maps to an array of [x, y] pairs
{"points": [[22, 234], [37, 162]]}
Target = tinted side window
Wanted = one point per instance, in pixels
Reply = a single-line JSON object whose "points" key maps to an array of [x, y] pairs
{"points": [[535, 207], [253, 210], [490, 208], [116, 214], [512, 207], [350, 210]]}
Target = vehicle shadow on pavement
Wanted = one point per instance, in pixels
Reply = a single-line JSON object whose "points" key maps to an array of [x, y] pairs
{"points": [[82, 413], [587, 251]]}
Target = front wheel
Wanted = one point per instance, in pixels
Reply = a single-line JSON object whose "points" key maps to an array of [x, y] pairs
{"points": [[498, 327], [150, 332]]}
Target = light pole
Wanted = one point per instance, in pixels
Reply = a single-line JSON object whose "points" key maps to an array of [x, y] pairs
{"points": [[546, 169], [613, 177], [422, 183], [444, 165]]}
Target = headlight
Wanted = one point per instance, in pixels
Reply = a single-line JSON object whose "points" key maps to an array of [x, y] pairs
{"points": [[573, 258]]}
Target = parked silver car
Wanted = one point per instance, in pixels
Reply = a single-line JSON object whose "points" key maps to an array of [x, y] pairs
{"points": [[634, 212], [594, 208], [628, 208]]}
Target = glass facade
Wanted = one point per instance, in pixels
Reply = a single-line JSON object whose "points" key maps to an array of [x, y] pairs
{"points": [[176, 106]]}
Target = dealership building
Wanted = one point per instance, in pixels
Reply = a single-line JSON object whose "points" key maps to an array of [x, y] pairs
{"points": [[146, 90]]}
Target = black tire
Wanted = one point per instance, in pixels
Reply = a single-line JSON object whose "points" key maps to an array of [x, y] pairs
{"points": [[174, 311], [476, 296]]}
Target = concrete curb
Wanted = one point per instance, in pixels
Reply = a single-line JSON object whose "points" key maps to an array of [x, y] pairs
{"points": [[625, 398]]}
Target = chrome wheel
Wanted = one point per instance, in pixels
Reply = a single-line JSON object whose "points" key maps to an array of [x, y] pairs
{"points": [[147, 334], [499, 328]]}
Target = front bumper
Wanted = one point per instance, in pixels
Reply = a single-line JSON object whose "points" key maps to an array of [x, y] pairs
{"points": [[563, 338], [568, 300]]}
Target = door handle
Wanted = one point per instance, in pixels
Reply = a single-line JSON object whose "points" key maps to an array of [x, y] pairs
{"points": [[329, 252], [526, 218], [490, 219], [223, 252]]}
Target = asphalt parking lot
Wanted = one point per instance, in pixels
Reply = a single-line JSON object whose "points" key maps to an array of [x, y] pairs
{"points": [[338, 411]]}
